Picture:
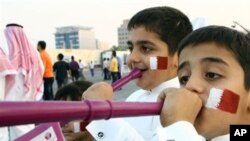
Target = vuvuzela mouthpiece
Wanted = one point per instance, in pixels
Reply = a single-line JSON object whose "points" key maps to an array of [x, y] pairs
{"points": [[135, 73]]}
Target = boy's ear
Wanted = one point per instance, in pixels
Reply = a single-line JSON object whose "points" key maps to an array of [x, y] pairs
{"points": [[248, 102], [175, 59]]}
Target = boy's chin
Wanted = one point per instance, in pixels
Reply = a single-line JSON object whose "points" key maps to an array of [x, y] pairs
{"points": [[213, 117], [143, 85], [139, 83]]}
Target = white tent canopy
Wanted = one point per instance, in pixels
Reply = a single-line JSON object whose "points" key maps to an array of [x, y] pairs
{"points": [[199, 22]]}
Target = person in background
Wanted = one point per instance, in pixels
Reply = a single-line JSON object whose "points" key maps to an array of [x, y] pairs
{"points": [[74, 69], [73, 92], [105, 68], [61, 69], [120, 65], [153, 32], [114, 67], [108, 74], [48, 75], [81, 67], [92, 68]]}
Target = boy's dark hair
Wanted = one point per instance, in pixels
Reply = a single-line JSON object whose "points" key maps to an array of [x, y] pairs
{"points": [[60, 56], [83, 85], [73, 91], [170, 24], [230, 39], [42, 44]]}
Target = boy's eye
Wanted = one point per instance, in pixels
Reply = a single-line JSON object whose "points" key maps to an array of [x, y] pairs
{"points": [[211, 75], [130, 48], [146, 49], [183, 80]]}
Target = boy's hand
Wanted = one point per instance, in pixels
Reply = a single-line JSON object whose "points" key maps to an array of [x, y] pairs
{"points": [[71, 135], [99, 91], [179, 104], [68, 128]]}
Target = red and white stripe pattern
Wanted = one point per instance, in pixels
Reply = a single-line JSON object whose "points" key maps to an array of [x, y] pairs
{"points": [[224, 100], [158, 63]]}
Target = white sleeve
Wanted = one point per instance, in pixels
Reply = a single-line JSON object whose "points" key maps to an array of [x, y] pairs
{"points": [[179, 131], [113, 130], [76, 126]]}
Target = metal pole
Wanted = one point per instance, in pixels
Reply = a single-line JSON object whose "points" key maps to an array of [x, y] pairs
{"points": [[236, 23]]}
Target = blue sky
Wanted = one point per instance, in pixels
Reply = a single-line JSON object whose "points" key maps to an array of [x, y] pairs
{"points": [[41, 17]]}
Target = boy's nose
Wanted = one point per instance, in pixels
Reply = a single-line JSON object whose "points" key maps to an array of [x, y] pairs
{"points": [[134, 57], [196, 84]]}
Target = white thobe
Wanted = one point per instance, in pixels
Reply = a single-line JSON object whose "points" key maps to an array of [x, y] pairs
{"points": [[133, 128]]}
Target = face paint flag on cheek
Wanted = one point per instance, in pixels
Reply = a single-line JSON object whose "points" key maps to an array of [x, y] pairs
{"points": [[224, 100], [158, 63]]}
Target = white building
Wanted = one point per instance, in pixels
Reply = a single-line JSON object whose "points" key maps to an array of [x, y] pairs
{"points": [[123, 34], [75, 37]]}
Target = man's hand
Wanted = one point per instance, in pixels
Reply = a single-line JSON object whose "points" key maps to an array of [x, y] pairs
{"points": [[179, 104], [99, 91]]}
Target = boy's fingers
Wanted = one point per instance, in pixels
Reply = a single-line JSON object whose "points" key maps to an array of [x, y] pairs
{"points": [[162, 96], [99, 91]]}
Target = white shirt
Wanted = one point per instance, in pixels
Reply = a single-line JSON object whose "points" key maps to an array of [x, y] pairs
{"points": [[81, 65], [91, 65], [184, 131], [134, 128], [105, 64]]}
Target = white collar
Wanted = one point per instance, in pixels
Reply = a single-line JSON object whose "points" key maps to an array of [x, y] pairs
{"points": [[167, 84], [221, 138]]}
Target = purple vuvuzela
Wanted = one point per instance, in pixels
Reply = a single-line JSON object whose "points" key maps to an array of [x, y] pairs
{"points": [[17, 113]]}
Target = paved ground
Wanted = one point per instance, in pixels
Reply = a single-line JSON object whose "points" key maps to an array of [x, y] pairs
{"points": [[119, 95]]}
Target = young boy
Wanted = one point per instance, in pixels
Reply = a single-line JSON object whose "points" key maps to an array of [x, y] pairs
{"points": [[152, 32], [210, 57], [73, 92]]}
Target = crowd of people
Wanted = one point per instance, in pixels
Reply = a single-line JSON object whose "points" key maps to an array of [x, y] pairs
{"points": [[61, 69], [65, 72], [199, 60]]}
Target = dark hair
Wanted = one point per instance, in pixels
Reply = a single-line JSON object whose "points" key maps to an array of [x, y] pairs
{"points": [[114, 53], [72, 57], [169, 23], [42, 44], [73, 90], [83, 85], [230, 39], [60, 56]]}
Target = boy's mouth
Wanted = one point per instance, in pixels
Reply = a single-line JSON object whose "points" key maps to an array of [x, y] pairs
{"points": [[142, 71]]}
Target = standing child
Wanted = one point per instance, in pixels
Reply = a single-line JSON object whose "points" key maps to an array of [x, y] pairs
{"points": [[210, 57], [152, 32]]}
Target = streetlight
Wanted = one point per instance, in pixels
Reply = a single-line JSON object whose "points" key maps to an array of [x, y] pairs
{"points": [[236, 23]]}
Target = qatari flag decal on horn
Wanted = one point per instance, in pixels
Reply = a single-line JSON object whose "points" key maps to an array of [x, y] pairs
{"points": [[158, 63]]}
